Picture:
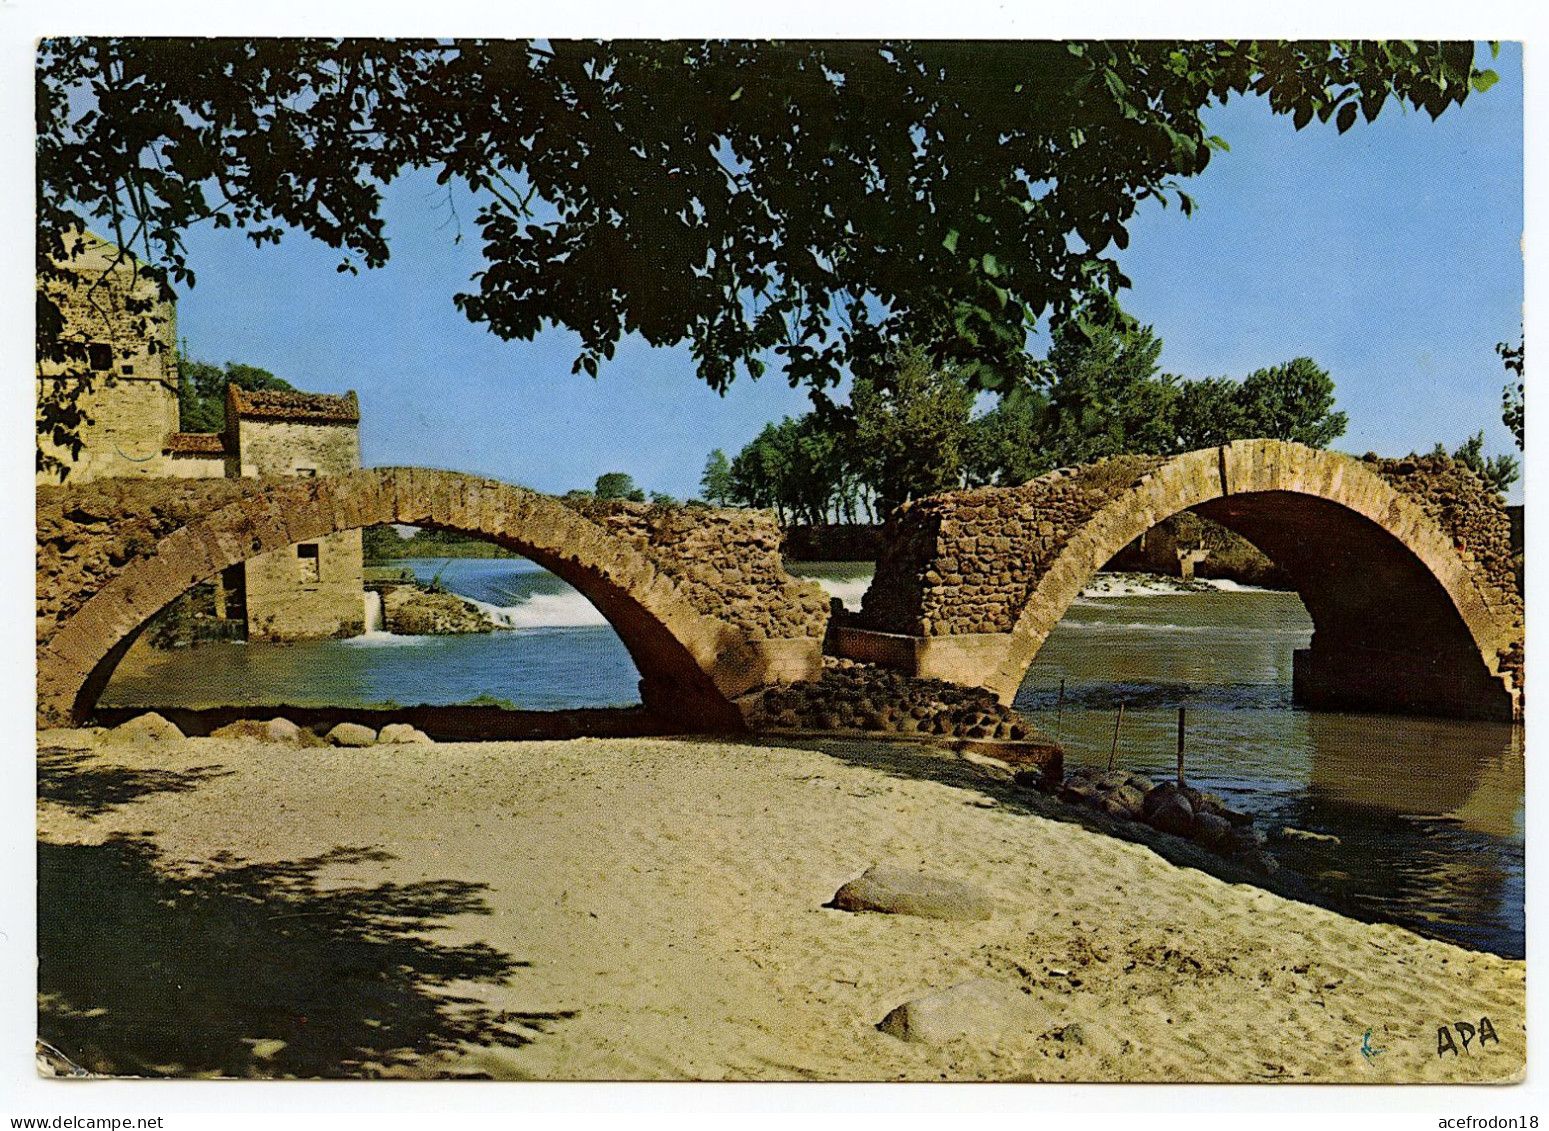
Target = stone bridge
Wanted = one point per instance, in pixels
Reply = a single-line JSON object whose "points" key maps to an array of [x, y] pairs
{"points": [[1404, 565], [699, 597]]}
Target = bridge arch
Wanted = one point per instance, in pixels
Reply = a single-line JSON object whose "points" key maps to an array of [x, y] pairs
{"points": [[1405, 617], [692, 662]]}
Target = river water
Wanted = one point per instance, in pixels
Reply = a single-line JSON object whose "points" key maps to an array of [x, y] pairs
{"points": [[1426, 815]]}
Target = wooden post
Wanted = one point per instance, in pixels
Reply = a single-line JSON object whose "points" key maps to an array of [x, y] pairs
{"points": [[1181, 713], [1113, 754]]}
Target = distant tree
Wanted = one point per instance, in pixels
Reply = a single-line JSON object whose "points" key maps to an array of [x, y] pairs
{"points": [[618, 485], [1293, 401], [380, 543], [1210, 412], [1513, 396], [662, 499], [798, 468], [716, 482], [1498, 472], [202, 391], [1007, 446], [911, 426], [1105, 396]]}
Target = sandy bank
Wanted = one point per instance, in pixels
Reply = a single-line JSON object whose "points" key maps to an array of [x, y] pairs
{"points": [[627, 909]]}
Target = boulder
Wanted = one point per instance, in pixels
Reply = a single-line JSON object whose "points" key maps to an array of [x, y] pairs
{"points": [[351, 734], [1126, 801], [1210, 830], [275, 730], [283, 730], [897, 891], [1156, 797], [981, 1010], [1174, 815], [149, 727], [395, 733]]}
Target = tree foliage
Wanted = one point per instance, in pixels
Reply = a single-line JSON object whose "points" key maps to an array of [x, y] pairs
{"points": [[202, 391], [910, 426], [1513, 396], [1496, 472], [715, 484], [618, 485], [816, 200], [798, 468], [908, 429]]}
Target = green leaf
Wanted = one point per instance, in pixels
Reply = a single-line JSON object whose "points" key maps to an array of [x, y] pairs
{"points": [[991, 267], [1484, 80], [736, 94], [950, 243], [1347, 114]]}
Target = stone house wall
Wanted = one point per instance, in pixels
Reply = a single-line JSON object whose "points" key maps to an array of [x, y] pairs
{"points": [[129, 421], [314, 590], [132, 362], [310, 591]]}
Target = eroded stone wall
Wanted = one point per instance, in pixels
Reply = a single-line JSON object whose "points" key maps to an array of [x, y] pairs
{"points": [[964, 562], [728, 561], [88, 534], [131, 361]]}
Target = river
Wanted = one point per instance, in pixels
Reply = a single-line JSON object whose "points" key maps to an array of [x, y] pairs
{"points": [[1427, 814]]}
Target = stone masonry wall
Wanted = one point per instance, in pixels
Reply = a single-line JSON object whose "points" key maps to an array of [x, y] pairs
{"points": [[87, 534], [965, 562], [130, 419], [133, 402], [283, 447], [1479, 526], [727, 560], [289, 598]]}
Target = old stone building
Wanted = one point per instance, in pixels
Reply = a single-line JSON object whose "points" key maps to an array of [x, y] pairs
{"points": [[126, 335], [122, 373], [313, 589]]}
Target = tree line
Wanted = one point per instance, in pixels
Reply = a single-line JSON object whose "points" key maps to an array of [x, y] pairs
{"points": [[910, 428]]}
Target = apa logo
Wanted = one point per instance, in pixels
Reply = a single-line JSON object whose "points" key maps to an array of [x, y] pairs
{"points": [[1466, 1033]]}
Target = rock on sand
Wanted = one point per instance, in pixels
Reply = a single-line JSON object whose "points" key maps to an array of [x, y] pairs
{"points": [[982, 1010], [897, 891]]}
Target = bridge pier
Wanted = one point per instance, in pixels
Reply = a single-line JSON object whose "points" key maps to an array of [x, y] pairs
{"points": [[1351, 678]]}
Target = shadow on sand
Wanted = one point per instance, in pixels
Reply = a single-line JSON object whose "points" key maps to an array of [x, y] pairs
{"points": [[235, 968], [77, 780]]}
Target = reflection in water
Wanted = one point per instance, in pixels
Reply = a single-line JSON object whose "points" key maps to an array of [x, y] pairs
{"points": [[1428, 812]]}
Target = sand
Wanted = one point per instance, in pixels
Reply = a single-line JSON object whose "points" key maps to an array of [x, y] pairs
{"points": [[654, 909]]}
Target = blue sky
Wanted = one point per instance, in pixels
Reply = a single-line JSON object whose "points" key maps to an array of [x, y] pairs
{"points": [[1390, 254]]}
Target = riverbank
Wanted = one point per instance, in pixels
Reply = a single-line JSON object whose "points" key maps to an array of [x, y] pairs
{"points": [[646, 909]]}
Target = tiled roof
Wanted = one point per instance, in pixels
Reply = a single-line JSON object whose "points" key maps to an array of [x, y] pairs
{"points": [[307, 408], [195, 444]]}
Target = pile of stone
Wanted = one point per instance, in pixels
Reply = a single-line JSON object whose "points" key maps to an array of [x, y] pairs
{"points": [[856, 696], [411, 610], [1180, 811], [960, 562], [727, 563]]}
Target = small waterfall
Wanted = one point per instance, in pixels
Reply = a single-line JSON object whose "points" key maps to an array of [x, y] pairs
{"points": [[374, 620]]}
